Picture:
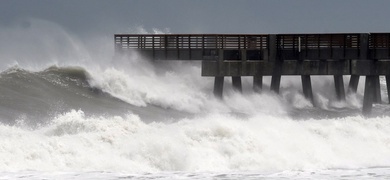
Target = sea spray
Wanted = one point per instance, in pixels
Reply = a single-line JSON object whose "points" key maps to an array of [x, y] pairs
{"points": [[261, 132], [214, 142]]}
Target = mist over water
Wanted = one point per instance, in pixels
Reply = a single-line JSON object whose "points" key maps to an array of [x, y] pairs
{"points": [[70, 104]]}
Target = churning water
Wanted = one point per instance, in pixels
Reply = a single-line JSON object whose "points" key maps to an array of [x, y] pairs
{"points": [[99, 117]]}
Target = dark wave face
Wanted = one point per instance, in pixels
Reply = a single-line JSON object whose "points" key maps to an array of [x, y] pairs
{"points": [[38, 96]]}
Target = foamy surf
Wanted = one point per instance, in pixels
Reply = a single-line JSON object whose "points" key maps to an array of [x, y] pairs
{"points": [[91, 116], [211, 143]]}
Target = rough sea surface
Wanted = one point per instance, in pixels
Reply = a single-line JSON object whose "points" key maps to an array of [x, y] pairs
{"points": [[74, 123], [89, 117]]}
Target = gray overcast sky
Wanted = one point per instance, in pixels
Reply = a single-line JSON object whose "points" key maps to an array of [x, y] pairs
{"points": [[203, 16], [34, 33]]}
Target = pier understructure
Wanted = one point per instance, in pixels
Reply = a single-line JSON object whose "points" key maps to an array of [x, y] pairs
{"points": [[276, 55]]}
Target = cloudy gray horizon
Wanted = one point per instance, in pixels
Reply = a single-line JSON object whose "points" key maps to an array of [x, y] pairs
{"points": [[83, 17]]}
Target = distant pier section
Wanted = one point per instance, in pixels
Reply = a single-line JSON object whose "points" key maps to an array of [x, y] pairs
{"points": [[276, 55]]}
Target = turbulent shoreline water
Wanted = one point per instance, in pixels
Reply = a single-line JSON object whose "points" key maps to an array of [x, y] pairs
{"points": [[74, 110], [165, 122], [37, 97], [364, 173]]}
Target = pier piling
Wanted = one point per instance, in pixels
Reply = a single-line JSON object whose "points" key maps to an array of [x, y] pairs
{"points": [[377, 92], [307, 89], [236, 81], [339, 85], [275, 83], [353, 84], [218, 86], [257, 83], [368, 94], [388, 87]]}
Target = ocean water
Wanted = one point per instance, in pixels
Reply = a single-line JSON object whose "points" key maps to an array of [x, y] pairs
{"points": [[98, 116]]}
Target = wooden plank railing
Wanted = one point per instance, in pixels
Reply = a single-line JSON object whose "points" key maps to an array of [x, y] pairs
{"points": [[379, 43], [192, 41]]}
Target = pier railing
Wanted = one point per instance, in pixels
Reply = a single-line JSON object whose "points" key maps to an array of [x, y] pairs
{"points": [[189, 41], [318, 46], [379, 45], [289, 46]]}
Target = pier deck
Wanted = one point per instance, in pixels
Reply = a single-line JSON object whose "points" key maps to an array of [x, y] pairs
{"points": [[258, 55]]}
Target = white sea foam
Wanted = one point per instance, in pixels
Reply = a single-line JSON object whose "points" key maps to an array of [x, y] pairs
{"points": [[214, 142], [353, 174], [242, 132]]}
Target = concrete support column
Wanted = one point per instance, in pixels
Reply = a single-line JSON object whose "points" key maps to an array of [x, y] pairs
{"points": [[243, 62], [257, 83], [369, 85], [388, 87], [218, 86], [273, 57], [237, 83], [339, 84], [353, 83], [369, 90], [220, 66], [307, 88], [377, 93], [219, 79], [275, 83], [272, 48]]}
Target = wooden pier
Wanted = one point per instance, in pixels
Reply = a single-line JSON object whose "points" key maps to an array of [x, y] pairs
{"points": [[258, 55]]}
